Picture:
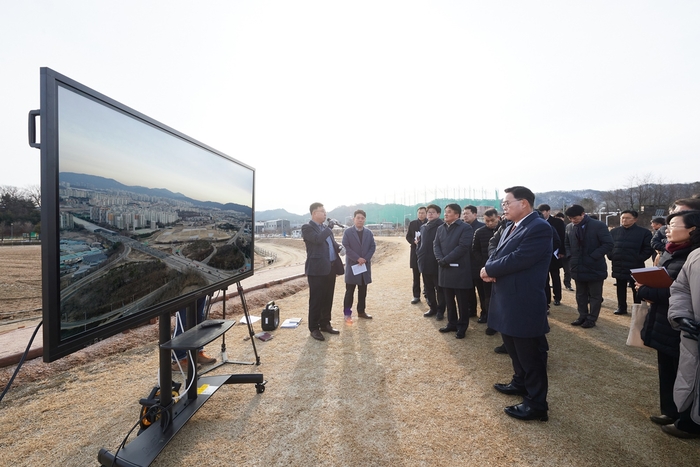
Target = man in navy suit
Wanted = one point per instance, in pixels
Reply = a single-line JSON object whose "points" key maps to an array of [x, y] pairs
{"points": [[518, 269], [322, 265]]}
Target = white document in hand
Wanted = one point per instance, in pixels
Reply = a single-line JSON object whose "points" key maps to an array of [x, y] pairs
{"points": [[359, 268]]}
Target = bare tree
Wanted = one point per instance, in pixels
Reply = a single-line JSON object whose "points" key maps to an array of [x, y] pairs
{"points": [[33, 193]]}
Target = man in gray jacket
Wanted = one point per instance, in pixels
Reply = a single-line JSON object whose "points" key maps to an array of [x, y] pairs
{"points": [[587, 242]]}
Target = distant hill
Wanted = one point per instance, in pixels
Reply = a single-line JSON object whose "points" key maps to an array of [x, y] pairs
{"points": [[101, 183]]}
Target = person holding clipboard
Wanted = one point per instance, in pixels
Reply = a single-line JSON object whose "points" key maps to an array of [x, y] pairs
{"points": [[359, 248]]}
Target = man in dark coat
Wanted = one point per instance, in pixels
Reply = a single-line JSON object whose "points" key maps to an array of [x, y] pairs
{"points": [[631, 248], [428, 265], [587, 242], [556, 263], [322, 265], [518, 309], [413, 228], [359, 248], [452, 247], [469, 216], [480, 253]]}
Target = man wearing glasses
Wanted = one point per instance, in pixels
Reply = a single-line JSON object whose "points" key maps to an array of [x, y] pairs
{"points": [[518, 269]]}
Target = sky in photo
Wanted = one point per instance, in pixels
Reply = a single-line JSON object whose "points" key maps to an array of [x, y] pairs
{"points": [[380, 101]]}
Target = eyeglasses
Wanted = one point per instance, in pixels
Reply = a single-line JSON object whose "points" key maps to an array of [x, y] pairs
{"points": [[505, 204]]}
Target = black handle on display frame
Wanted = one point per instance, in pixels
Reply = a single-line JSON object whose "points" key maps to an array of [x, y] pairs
{"points": [[33, 114]]}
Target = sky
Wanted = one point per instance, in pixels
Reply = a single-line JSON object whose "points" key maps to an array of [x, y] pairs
{"points": [[380, 101]]}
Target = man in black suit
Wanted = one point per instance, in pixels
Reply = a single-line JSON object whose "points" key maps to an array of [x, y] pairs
{"points": [[469, 216], [518, 310], [322, 265], [428, 265], [413, 228]]}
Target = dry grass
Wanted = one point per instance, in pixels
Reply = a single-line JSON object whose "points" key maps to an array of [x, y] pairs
{"points": [[391, 391]]}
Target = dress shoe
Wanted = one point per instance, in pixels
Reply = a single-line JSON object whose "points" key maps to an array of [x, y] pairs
{"points": [[569, 288], [448, 329], [204, 358], [661, 419], [678, 433], [578, 322], [184, 363], [439, 316], [490, 331], [482, 320], [557, 302], [510, 389], [330, 330], [364, 315], [461, 333], [588, 324], [524, 412], [415, 300], [500, 349], [620, 311], [316, 334], [430, 313]]}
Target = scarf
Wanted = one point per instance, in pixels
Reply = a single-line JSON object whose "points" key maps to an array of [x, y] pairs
{"points": [[673, 247], [579, 229]]}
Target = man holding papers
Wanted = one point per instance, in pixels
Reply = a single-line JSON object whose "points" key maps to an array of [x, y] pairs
{"points": [[359, 248]]}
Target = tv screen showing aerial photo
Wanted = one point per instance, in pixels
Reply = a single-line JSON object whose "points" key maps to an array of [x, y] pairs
{"points": [[144, 216]]}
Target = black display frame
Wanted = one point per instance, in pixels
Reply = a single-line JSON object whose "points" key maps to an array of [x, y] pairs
{"points": [[54, 345]]}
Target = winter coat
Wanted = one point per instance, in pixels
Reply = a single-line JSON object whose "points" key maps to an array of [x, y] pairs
{"points": [[657, 332], [520, 265], [354, 250], [427, 264], [685, 303], [632, 246], [413, 227], [588, 256], [480, 246], [453, 245]]}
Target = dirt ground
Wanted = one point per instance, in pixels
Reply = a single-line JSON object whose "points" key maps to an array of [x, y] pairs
{"points": [[387, 391]]}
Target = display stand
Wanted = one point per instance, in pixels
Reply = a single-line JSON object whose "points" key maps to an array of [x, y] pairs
{"points": [[143, 450], [251, 333]]}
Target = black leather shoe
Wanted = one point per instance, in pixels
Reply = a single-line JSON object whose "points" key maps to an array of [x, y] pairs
{"points": [[578, 322], [316, 334], [588, 324], [430, 313], [330, 330], [448, 329], [510, 389], [620, 311], [440, 316], [678, 433], [523, 412], [461, 333], [415, 300], [501, 349], [569, 288], [482, 320], [362, 314], [557, 302], [661, 419], [490, 331]]}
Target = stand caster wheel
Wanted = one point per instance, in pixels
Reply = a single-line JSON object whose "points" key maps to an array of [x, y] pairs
{"points": [[260, 388]]}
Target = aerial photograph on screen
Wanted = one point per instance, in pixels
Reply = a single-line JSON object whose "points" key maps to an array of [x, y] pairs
{"points": [[144, 215]]}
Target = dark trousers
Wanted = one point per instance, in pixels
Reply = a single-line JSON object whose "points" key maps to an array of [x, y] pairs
{"points": [[321, 290], [589, 293], [668, 367], [416, 282], [361, 296], [457, 314], [433, 293], [622, 286], [556, 285], [529, 357], [566, 265]]}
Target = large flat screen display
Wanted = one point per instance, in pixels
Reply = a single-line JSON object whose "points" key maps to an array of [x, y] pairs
{"points": [[137, 218]]}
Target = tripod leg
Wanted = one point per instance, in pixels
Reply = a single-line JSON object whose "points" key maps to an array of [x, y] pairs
{"points": [[247, 318]]}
